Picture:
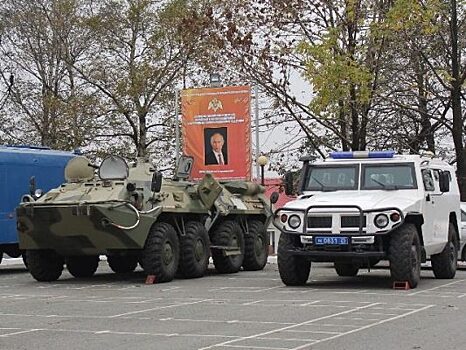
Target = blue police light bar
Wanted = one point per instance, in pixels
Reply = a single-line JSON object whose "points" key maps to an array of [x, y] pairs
{"points": [[362, 154]]}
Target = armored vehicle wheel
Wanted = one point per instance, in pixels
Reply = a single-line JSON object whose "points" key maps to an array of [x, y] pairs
{"points": [[346, 269], [44, 265], [294, 270], [122, 264], [444, 263], [404, 253], [82, 266], [161, 252], [255, 246], [228, 234], [194, 250]]}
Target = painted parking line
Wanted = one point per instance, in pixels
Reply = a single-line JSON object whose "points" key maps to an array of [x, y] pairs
{"points": [[243, 289], [18, 332], [341, 316], [255, 347], [110, 332], [286, 328], [435, 288], [158, 308], [364, 327]]}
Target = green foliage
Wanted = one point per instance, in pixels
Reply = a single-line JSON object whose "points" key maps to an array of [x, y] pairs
{"points": [[333, 72], [415, 17]]}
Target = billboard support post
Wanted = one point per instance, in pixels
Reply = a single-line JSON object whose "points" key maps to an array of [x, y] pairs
{"points": [[177, 130], [256, 112]]}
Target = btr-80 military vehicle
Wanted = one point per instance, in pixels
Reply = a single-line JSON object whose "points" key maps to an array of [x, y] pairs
{"points": [[130, 214]]}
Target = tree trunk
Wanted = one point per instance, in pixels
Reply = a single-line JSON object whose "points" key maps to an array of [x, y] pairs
{"points": [[455, 95]]}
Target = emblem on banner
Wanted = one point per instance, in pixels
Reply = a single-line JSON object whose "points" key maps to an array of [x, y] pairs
{"points": [[215, 105]]}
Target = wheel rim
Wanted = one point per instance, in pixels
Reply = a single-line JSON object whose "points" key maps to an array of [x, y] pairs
{"points": [[167, 255], [452, 253], [199, 250], [235, 243], [258, 245]]}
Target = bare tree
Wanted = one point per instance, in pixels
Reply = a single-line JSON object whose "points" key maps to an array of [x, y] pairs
{"points": [[440, 43], [139, 51], [44, 103], [330, 43]]}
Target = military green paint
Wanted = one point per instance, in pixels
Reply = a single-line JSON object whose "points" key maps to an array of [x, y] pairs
{"points": [[96, 217]]}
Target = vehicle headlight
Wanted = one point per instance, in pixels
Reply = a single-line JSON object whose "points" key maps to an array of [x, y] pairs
{"points": [[294, 221], [381, 220], [395, 217]]}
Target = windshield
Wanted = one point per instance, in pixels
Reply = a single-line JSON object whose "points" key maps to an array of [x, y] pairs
{"points": [[388, 176], [326, 178]]}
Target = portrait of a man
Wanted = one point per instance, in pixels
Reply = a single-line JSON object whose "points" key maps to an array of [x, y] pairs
{"points": [[215, 146]]}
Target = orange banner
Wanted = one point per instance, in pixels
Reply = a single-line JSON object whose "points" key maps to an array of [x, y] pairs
{"points": [[216, 131]]}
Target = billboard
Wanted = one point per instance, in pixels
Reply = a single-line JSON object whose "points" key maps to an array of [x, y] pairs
{"points": [[216, 131]]}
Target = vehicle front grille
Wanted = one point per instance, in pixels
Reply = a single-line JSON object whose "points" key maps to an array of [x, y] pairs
{"points": [[319, 222], [352, 221]]}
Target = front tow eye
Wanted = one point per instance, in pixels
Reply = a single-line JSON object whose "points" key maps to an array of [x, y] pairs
{"points": [[105, 222]]}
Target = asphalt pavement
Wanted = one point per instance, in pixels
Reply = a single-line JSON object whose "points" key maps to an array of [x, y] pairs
{"points": [[246, 310]]}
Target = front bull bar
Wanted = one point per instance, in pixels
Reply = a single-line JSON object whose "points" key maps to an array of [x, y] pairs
{"points": [[358, 208]]}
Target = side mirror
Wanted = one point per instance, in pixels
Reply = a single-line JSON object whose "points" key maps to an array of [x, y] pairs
{"points": [[288, 182], [274, 197], [156, 183], [184, 167], [444, 181]]}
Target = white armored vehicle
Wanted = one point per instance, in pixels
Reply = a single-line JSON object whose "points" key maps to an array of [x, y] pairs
{"points": [[357, 208]]}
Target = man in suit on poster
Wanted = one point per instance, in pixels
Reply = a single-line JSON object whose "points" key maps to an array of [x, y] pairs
{"points": [[217, 155]]}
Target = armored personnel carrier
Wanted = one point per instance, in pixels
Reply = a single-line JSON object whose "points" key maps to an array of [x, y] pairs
{"points": [[130, 214]]}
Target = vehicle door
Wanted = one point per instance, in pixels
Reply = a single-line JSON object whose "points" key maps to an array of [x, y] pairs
{"points": [[429, 206], [463, 229], [444, 207]]}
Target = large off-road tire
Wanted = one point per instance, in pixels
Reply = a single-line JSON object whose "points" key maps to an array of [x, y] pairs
{"points": [[82, 266], [444, 264], [161, 253], [346, 269], [228, 234], [256, 246], [294, 269], [404, 254], [44, 265], [194, 251], [1, 256], [122, 264]]}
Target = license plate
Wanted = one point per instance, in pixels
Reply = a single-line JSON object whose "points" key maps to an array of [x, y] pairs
{"points": [[324, 240]]}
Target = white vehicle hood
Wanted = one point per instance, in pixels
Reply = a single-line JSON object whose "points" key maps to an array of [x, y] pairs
{"points": [[405, 200]]}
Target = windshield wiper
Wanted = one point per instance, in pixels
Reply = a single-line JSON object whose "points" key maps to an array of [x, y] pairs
{"points": [[379, 182], [322, 186], [385, 186]]}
